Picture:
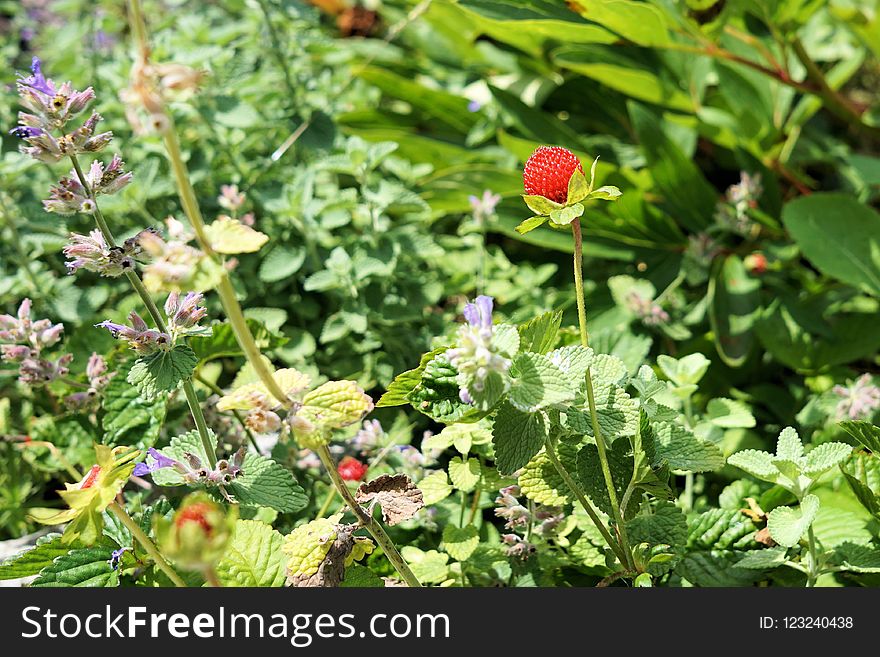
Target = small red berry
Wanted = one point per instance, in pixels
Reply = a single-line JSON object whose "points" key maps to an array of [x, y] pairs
{"points": [[195, 513], [756, 263], [91, 477], [548, 171], [350, 469]]}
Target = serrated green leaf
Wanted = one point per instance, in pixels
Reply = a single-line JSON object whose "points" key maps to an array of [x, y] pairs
{"points": [[856, 558], [757, 463], [460, 542], [253, 556], [281, 262], [429, 567], [537, 383], [162, 371], [684, 371], [437, 394], [763, 559], [865, 433], [666, 525], [683, 451], [578, 187], [824, 457], [464, 474], [129, 419], [517, 437], [308, 545], [573, 361], [789, 445], [33, 559], [540, 205], [539, 335], [398, 391], [80, 567], [787, 525], [592, 478], [435, 487], [361, 577], [540, 481]]}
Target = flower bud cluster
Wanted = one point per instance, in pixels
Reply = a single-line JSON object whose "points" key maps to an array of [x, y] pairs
{"points": [[173, 263], [185, 313], [139, 336], [22, 341], [650, 312], [859, 400], [92, 253], [98, 376], [70, 196], [475, 357]]}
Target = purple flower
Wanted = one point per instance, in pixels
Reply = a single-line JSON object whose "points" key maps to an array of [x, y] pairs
{"points": [[474, 106], [36, 80], [479, 313], [484, 206], [159, 461], [25, 132], [116, 557], [859, 399]]}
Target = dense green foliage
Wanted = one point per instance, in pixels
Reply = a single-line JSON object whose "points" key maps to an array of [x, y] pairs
{"points": [[716, 429]]}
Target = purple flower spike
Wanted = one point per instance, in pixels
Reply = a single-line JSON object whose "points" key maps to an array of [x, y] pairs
{"points": [[37, 80], [25, 132], [479, 313], [159, 461]]}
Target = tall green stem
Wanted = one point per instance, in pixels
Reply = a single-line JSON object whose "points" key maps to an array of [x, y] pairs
{"points": [[153, 310], [147, 544], [591, 396], [813, 572], [376, 530], [550, 449]]}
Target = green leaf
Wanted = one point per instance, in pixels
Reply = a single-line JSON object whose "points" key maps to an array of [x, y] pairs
{"points": [[361, 577], [429, 567], [436, 395], [684, 371], [729, 414], [79, 567], [540, 205], [222, 342], [865, 433], [824, 457], [566, 215], [464, 474], [253, 556], [757, 463], [539, 335], [528, 225], [639, 22], [229, 236], [606, 193], [540, 481], [716, 568], [789, 445], [667, 525], [763, 559], [281, 262], [129, 419], [856, 558], [573, 361], [162, 371], [734, 304], [32, 560], [592, 479], [517, 437], [578, 188], [788, 525], [839, 235], [435, 487], [683, 451], [537, 383], [460, 542], [399, 389]]}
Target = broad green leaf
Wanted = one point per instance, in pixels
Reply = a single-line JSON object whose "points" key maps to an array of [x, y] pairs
{"points": [[729, 414], [429, 567], [592, 479], [684, 371], [253, 556], [763, 559], [541, 483], [824, 457], [665, 525], [564, 216], [162, 371], [129, 419], [537, 383], [734, 304], [517, 437], [756, 462], [281, 262], [229, 236], [307, 546], [787, 525], [865, 433], [460, 542], [464, 474], [361, 577], [435, 487], [573, 361], [839, 235], [789, 445], [856, 558], [80, 567], [541, 205], [32, 560], [404, 383], [681, 450], [437, 394], [639, 22], [539, 335]]}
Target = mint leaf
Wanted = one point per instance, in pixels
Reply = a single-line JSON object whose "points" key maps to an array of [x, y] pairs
{"points": [[538, 335], [788, 525], [681, 450], [80, 567], [517, 437], [129, 419], [162, 371], [253, 556], [537, 383], [32, 560], [460, 542]]}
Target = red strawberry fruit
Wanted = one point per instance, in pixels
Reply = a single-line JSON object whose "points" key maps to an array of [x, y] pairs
{"points": [[548, 171], [350, 469]]}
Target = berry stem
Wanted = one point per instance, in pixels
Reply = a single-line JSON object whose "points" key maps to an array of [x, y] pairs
{"points": [[591, 397], [147, 544]]}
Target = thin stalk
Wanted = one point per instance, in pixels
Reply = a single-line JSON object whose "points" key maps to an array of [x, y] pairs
{"points": [[212, 579], [152, 309], [688, 499], [147, 544], [376, 530], [813, 572], [550, 449], [217, 391], [591, 395], [326, 505], [475, 506]]}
